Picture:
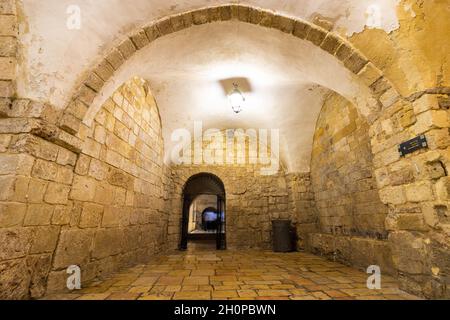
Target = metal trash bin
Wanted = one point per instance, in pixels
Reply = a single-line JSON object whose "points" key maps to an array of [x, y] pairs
{"points": [[282, 235]]}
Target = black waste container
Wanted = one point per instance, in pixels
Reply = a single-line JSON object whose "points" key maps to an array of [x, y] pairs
{"points": [[281, 235]]}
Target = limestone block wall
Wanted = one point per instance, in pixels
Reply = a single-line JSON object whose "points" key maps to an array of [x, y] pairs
{"points": [[302, 207], [350, 215], [414, 58], [252, 201], [33, 202], [100, 204], [35, 182], [342, 173], [415, 188], [8, 49], [118, 215]]}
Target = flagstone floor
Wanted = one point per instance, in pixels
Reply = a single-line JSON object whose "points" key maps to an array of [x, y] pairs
{"points": [[202, 273]]}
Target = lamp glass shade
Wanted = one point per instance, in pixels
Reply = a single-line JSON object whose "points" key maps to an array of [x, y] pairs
{"points": [[237, 100]]}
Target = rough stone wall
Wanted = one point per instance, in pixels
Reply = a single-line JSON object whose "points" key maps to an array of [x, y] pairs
{"points": [[32, 200], [415, 188], [252, 201], [100, 209], [302, 207], [350, 215], [117, 211], [345, 189], [415, 58], [8, 49]]}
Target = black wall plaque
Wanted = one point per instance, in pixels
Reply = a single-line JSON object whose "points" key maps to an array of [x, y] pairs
{"points": [[412, 145]]}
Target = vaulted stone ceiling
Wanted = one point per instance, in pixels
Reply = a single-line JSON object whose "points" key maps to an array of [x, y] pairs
{"points": [[288, 77]]}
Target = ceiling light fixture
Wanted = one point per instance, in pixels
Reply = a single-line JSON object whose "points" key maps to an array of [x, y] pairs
{"points": [[236, 99]]}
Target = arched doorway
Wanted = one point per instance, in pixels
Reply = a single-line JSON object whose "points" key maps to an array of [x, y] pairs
{"points": [[204, 184]]}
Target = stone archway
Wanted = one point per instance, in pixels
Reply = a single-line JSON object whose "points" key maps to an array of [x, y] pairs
{"points": [[200, 184], [369, 75]]}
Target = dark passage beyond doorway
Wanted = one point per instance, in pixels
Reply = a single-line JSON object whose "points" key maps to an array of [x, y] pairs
{"points": [[203, 211]]}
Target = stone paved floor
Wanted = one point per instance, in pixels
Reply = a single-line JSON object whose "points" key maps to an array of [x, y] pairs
{"points": [[204, 274]]}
